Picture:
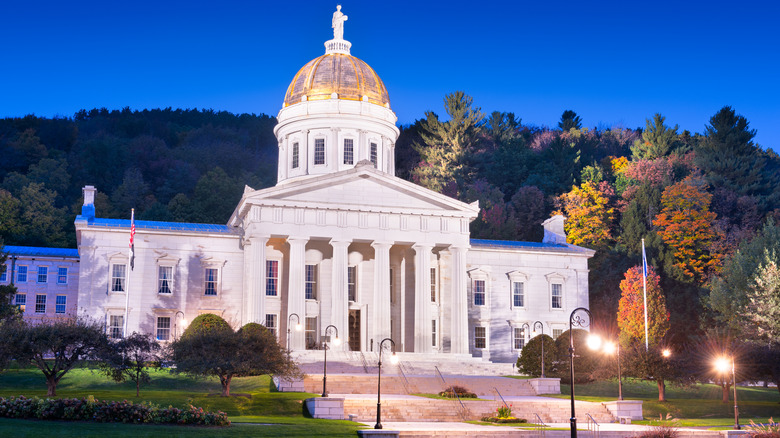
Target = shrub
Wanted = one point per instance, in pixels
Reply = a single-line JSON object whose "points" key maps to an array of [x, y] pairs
{"points": [[770, 430], [90, 409], [660, 432], [461, 391]]}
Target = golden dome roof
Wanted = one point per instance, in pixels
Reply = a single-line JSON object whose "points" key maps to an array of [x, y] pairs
{"points": [[347, 76]]}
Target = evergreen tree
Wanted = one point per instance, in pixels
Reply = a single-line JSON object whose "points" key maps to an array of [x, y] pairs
{"points": [[569, 120], [658, 140]]}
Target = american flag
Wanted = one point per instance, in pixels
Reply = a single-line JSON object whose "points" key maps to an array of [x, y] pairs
{"points": [[132, 236], [644, 259]]}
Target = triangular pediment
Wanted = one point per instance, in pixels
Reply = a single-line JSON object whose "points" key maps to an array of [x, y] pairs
{"points": [[360, 189]]}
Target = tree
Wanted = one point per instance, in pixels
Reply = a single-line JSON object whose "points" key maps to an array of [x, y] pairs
{"points": [[130, 358], [55, 347], [651, 364], [586, 360], [630, 317], [570, 120], [446, 145], [590, 215], [686, 225], [530, 360], [658, 140], [761, 316], [729, 291], [529, 209], [210, 347], [44, 222]]}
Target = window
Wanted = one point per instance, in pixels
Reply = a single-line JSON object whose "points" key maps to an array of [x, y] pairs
{"points": [[311, 282], [21, 274], [62, 275], [43, 274], [557, 296], [163, 328], [373, 154], [519, 337], [272, 277], [479, 337], [211, 282], [164, 274], [352, 283], [116, 325], [518, 294], [40, 304], [295, 151], [349, 151], [556, 333], [319, 151], [21, 301], [59, 303], [311, 333], [270, 323], [433, 332], [433, 285], [3, 275], [479, 293], [118, 278]]}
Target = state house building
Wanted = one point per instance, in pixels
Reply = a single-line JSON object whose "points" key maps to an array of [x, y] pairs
{"points": [[340, 240]]}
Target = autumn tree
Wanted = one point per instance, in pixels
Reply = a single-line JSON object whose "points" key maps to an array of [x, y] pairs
{"points": [[658, 140], [630, 317], [686, 225], [590, 214], [446, 145]]}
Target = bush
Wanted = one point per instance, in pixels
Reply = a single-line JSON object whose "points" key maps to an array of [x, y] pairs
{"points": [[530, 360], [660, 432], [771, 430], [90, 409], [461, 391]]}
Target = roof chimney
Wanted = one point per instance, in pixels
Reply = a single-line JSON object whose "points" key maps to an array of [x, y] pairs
{"points": [[88, 209], [553, 229]]}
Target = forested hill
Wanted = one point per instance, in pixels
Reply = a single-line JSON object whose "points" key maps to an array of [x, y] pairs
{"points": [[695, 198], [177, 165]]}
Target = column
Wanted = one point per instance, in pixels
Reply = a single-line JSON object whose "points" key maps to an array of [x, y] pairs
{"points": [[381, 308], [362, 152], [339, 300], [460, 328], [254, 275], [422, 298], [333, 154], [303, 152], [296, 302], [284, 164]]}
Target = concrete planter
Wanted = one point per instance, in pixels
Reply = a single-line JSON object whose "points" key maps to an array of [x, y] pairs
{"points": [[329, 408], [546, 385], [631, 409]]}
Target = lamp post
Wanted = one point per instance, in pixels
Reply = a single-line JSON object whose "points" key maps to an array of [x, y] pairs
{"points": [[297, 329], [336, 341], [576, 320], [541, 332], [610, 348], [393, 359], [722, 365]]}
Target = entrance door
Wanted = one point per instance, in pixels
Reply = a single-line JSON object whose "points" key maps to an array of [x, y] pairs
{"points": [[354, 330]]}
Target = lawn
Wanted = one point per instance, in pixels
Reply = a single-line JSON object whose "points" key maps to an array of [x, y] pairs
{"points": [[254, 408], [699, 403]]}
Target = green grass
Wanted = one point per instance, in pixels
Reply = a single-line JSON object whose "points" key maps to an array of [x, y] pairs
{"points": [[254, 407], [697, 402]]}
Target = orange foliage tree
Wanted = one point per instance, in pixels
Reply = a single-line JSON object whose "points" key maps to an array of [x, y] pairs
{"points": [[631, 308], [590, 214], [686, 224]]}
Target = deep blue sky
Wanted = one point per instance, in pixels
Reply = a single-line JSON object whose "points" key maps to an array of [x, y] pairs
{"points": [[614, 63]]}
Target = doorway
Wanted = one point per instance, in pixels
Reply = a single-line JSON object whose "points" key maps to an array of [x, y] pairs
{"points": [[354, 330]]}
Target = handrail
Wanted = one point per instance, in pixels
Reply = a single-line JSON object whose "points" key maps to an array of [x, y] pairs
{"points": [[502, 397], [365, 364], [593, 426], [541, 426], [404, 380], [462, 411]]}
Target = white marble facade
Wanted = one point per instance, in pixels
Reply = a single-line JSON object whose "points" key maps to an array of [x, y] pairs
{"points": [[338, 241]]}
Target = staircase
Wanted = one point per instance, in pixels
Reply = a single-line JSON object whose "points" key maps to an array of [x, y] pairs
{"points": [[394, 384]]}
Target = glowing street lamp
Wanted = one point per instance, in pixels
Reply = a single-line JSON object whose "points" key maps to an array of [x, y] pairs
{"points": [[593, 342], [722, 364], [614, 348], [393, 360], [336, 342]]}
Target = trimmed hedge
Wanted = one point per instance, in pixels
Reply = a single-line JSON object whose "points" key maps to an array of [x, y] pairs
{"points": [[104, 411]]}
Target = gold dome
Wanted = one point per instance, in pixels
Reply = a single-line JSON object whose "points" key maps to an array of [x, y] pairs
{"points": [[349, 77]]}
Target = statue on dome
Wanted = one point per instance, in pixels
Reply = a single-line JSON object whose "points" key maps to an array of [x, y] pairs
{"points": [[338, 23]]}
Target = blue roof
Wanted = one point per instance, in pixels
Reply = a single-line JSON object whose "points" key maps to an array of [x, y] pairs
{"points": [[160, 225], [34, 251], [538, 246]]}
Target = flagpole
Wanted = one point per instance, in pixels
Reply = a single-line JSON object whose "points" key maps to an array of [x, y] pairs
{"points": [[130, 262], [644, 286]]}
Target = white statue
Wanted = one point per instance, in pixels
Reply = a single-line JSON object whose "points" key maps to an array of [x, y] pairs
{"points": [[338, 24]]}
